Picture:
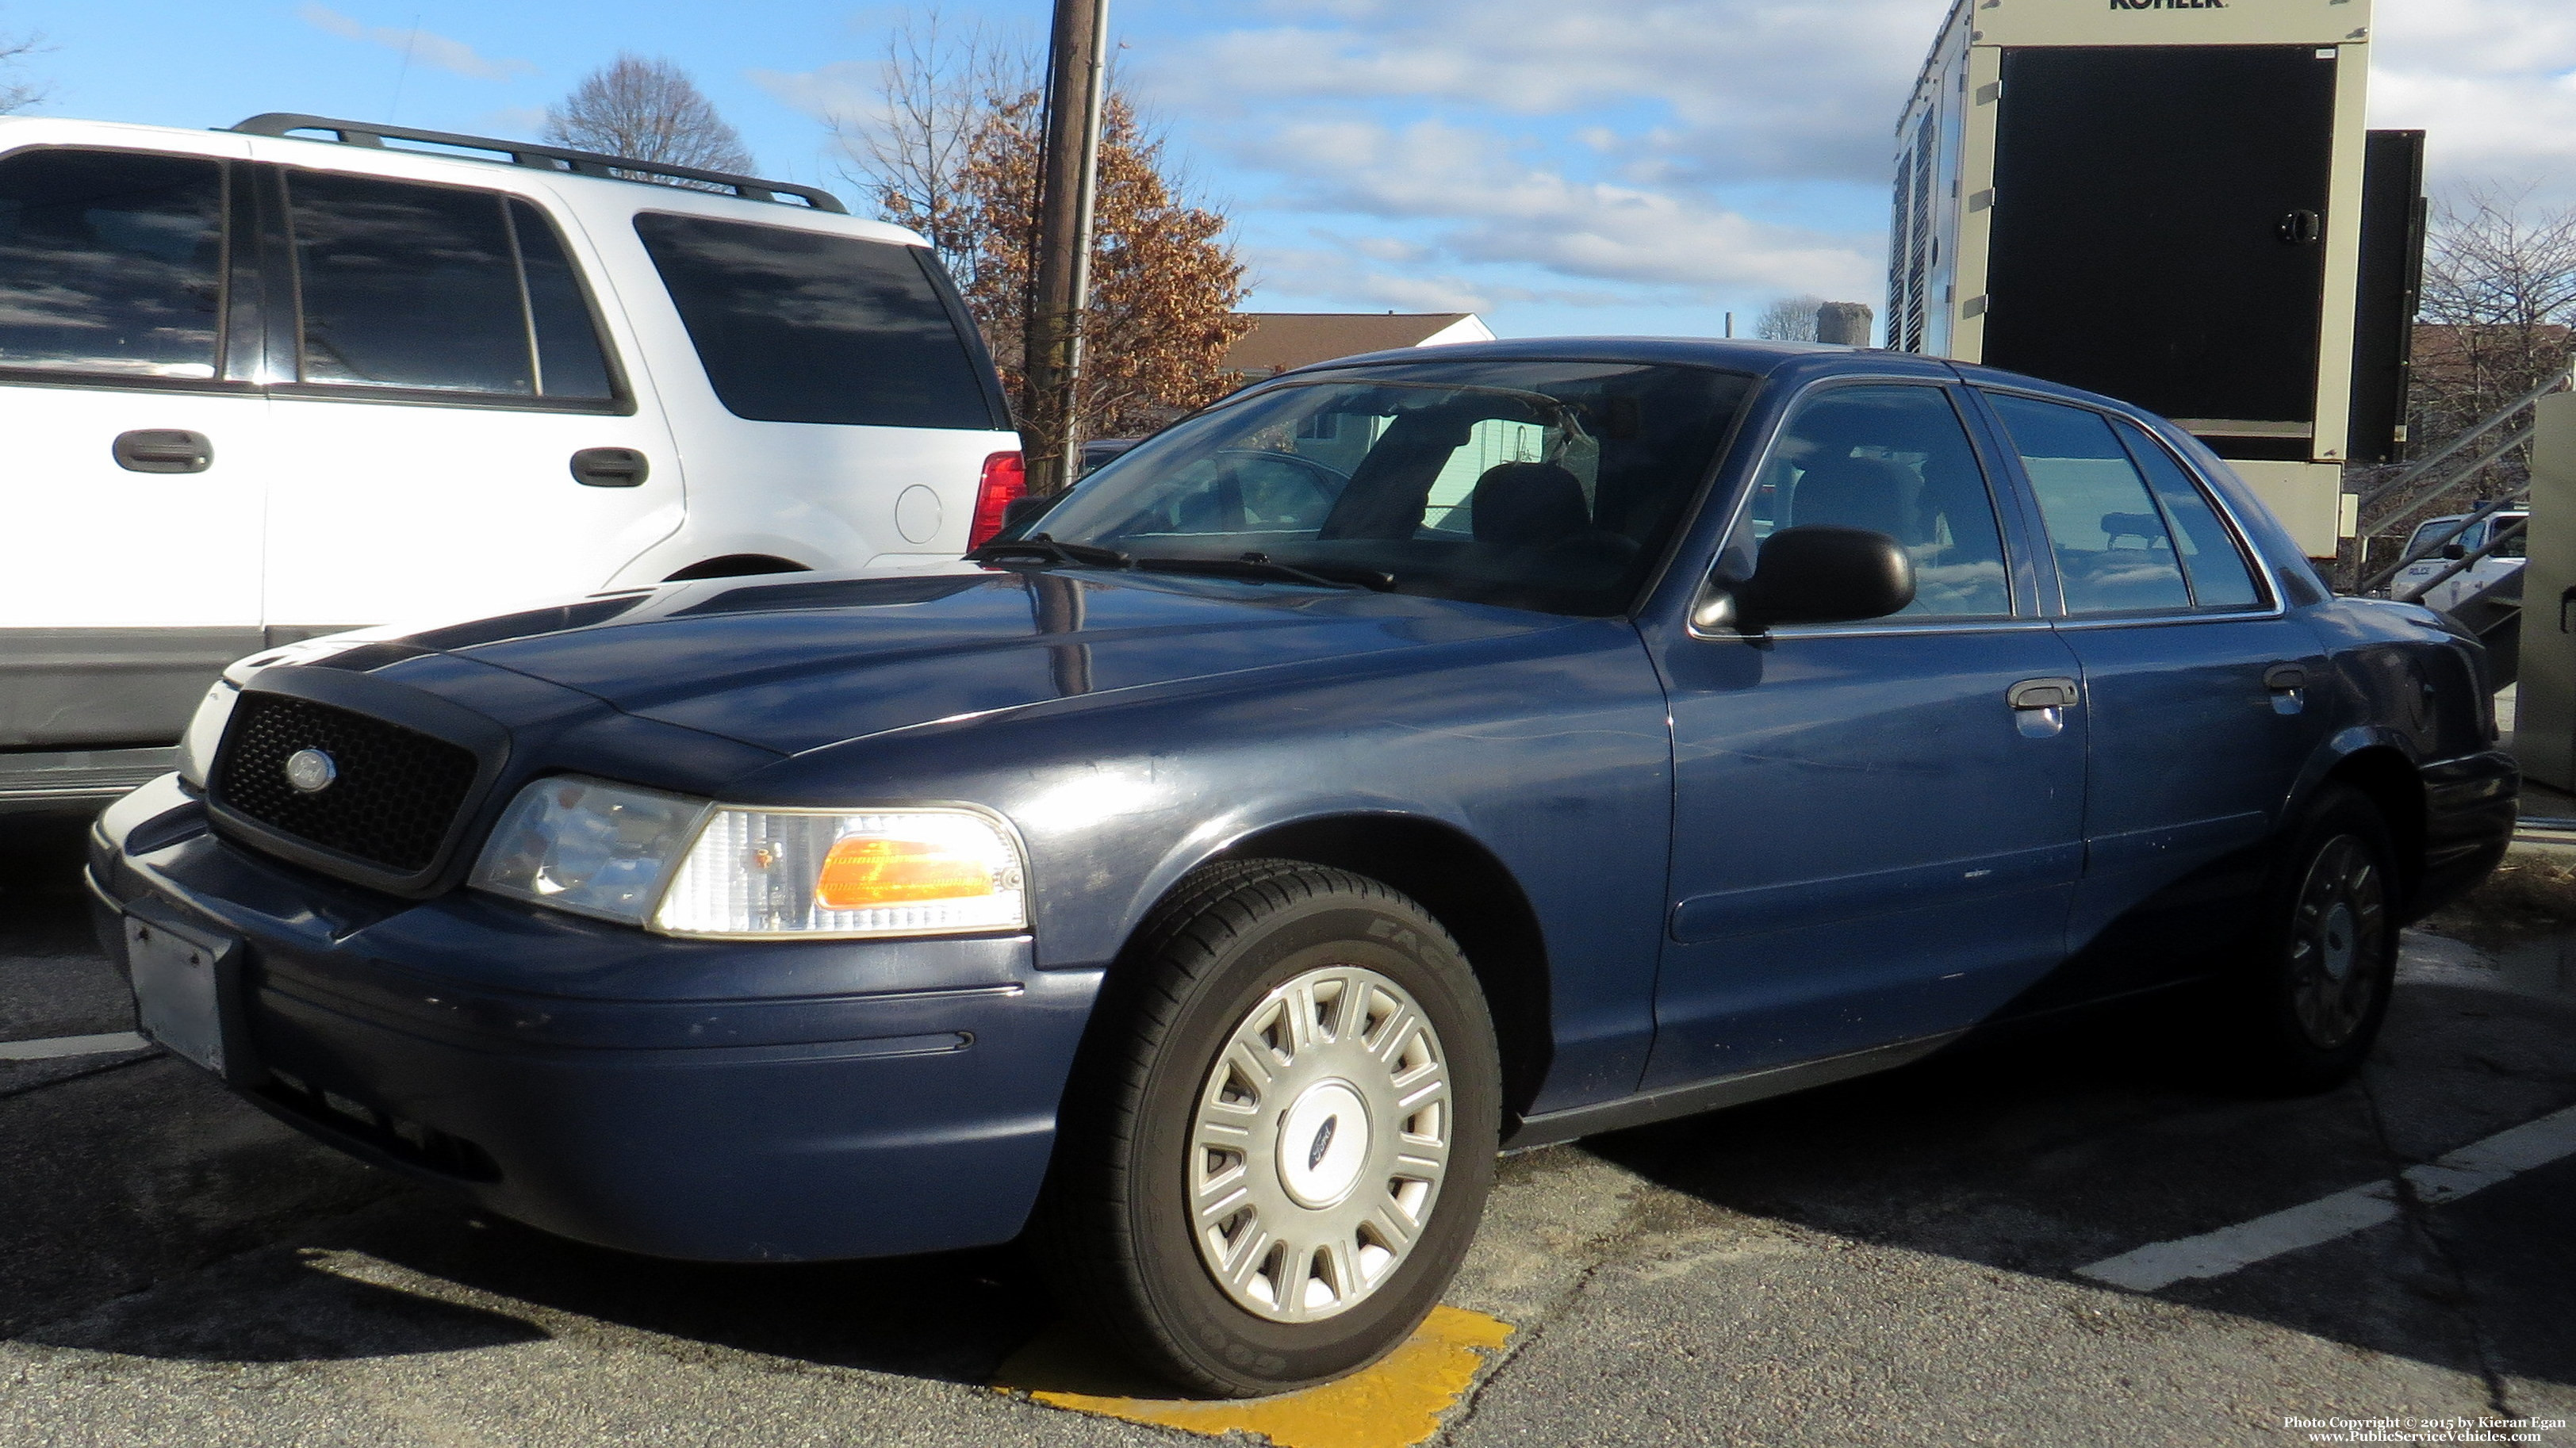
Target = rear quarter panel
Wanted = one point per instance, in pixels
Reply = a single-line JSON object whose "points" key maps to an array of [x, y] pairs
{"points": [[820, 495]]}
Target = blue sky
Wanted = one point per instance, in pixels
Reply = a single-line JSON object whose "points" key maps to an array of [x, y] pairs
{"points": [[1643, 167]]}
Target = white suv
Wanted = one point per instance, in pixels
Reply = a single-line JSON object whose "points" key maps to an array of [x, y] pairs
{"points": [[256, 387]]}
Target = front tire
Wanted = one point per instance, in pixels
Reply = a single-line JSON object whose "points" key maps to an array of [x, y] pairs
{"points": [[1275, 1153], [2316, 982]]}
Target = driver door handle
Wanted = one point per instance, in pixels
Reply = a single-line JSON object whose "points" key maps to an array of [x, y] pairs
{"points": [[2043, 694]]}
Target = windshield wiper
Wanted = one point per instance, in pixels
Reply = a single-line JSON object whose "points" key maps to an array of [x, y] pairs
{"points": [[1262, 565], [1039, 545]]}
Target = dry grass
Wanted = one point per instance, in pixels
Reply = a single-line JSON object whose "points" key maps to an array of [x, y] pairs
{"points": [[2529, 894]]}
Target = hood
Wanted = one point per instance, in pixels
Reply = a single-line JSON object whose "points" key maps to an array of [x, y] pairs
{"points": [[796, 665]]}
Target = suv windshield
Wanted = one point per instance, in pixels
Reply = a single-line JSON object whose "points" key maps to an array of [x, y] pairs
{"points": [[1542, 485]]}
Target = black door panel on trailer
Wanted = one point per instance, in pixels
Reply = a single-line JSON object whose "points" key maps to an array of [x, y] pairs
{"points": [[2166, 210]]}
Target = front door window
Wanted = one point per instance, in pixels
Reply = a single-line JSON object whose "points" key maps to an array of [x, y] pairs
{"points": [[1894, 459]]}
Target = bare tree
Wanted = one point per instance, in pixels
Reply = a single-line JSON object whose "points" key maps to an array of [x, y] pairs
{"points": [[952, 148], [650, 110], [18, 95], [935, 90], [1789, 319], [2496, 319], [2499, 298]]}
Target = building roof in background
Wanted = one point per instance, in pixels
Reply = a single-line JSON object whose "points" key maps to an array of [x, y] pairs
{"points": [[1279, 341]]}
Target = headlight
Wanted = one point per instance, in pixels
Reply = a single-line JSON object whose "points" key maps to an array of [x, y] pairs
{"points": [[205, 731], [852, 873], [681, 866], [588, 846]]}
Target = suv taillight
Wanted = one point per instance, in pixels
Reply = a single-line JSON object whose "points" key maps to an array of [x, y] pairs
{"points": [[1005, 477]]}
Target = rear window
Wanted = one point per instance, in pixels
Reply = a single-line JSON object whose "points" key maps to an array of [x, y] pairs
{"points": [[800, 326]]}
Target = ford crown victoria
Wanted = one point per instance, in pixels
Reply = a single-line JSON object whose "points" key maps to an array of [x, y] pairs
{"points": [[1409, 757]]}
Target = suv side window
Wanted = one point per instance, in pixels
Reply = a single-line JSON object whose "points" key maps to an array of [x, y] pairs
{"points": [[2115, 552], [1894, 458], [437, 288], [111, 263], [803, 326]]}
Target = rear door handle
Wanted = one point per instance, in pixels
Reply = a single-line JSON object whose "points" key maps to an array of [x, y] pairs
{"points": [[610, 467], [2281, 677], [2042, 694], [163, 450]]}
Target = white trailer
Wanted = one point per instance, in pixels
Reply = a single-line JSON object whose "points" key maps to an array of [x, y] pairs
{"points": [[2173, 202]]}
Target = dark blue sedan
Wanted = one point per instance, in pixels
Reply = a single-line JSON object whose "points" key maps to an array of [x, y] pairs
{"points": [[1410, 756]]}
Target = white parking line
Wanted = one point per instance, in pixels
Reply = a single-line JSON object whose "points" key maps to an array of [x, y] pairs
{"points": [[62, 1046], [2475, 1167]]}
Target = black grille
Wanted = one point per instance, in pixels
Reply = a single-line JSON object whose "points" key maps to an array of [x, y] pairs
{"points": [[396, 792]]}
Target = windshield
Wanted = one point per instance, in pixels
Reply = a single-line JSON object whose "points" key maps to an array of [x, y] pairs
{"points": [[1542, 485]]}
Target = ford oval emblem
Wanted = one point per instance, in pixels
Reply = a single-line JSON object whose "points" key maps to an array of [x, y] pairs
{"points": [[311, 770], [1323, 1143]]}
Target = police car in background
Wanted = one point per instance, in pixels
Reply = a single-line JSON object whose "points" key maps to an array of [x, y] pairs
{"points": [[2433, 555]]}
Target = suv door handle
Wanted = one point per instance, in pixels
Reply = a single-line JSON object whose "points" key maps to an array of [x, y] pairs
{"points": [[163, 450], [2042, 694], [2285, 676], [610, 467]]}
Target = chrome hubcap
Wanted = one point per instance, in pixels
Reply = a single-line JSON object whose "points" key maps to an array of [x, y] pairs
{"points": [[2339, 930], [1322, 1134]]}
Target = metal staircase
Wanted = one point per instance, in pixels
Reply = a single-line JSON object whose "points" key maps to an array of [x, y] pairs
{"points": [[2493, 613]]}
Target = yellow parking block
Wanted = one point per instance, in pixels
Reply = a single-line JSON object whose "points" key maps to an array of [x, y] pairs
{"points": [[1395, 1404]]}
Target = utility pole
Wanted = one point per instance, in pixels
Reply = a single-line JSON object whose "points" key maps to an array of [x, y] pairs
{"points": [[1060, 268]]}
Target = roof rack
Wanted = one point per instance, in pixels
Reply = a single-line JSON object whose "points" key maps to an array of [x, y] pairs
{"points": [[543, 158]]}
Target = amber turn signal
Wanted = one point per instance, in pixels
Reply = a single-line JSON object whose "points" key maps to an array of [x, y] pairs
{"points": [[861, 872]]}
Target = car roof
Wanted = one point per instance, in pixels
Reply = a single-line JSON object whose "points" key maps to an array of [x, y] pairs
{"points": [[455, 168], [1758, 357], [1733, 354]]}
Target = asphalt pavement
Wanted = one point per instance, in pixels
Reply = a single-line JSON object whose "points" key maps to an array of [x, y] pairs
{"points": [[1898, 1260]]}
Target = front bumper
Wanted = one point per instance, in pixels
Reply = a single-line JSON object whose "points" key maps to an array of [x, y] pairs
{"points": [[722, 1101]]}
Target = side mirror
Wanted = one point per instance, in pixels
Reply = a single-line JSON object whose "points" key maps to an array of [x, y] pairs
{"points": [[2454, 551], [1025, 510], [1818, 573]]}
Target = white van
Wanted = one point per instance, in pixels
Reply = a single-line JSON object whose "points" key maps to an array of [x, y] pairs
{"points": [[307, 375]]}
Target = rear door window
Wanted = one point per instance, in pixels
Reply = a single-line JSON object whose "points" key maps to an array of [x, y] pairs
{"points": [[2114, 551], [803, 326], [438, 288], [2211, 560], [111, 263]]}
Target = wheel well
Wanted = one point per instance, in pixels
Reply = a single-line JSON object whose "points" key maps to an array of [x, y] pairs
{"points": [[2388, 781], [1466, 889], [736, 565]]}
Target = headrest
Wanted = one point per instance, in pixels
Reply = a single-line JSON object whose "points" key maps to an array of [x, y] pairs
{"points": [[1528, 503], [1855, 492]]}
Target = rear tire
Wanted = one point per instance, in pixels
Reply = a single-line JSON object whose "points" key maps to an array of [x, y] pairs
{"points": [[1276, 1149], [2313, 990]]}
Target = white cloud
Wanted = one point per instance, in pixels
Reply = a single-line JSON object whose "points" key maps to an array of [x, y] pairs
{"points": [[2493, 82], [843, 88], [1501, 208], [1519, 142], [454, 56], [1744, 87]]}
